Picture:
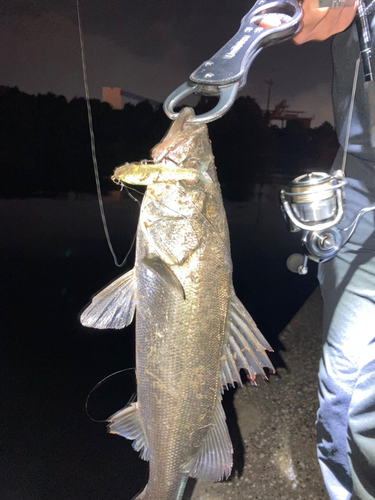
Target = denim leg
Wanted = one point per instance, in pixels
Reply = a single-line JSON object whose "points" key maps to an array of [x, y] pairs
{"points": [[346, 416], [361, 425], [336, 382]]}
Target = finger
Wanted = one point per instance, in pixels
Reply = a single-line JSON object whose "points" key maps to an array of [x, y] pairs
{"points": [[271, 21]]}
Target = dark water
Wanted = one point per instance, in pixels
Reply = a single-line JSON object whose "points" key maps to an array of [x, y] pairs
{"points": [[54, 258]]}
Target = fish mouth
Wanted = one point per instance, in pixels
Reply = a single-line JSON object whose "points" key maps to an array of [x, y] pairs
{"points": [[189, 163], [181, 139]]}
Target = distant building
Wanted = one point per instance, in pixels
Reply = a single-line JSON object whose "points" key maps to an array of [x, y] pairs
{"points": [[112, 95], [281, 114], [117, 97]]}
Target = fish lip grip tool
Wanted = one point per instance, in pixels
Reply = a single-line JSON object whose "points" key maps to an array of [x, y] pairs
{"points": [[267, 23]]}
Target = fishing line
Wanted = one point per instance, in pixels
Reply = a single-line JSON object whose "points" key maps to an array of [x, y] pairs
{"points": [[370, 8], [211, 226], [179, 214], [93, 149], [103, 381]]}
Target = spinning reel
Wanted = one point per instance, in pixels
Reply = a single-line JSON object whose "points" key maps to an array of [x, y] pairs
{"points": [[315, 205]]}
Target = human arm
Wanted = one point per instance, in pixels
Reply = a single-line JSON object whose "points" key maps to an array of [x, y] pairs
{"points": [[321, 23]]}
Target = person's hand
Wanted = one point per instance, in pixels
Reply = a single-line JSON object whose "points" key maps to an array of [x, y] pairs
{"points": [[321, 23]]}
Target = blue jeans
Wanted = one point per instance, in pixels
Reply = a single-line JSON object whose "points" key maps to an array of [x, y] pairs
{"points": [[346, 416]]}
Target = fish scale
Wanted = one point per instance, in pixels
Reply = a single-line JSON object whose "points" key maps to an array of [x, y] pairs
{"points": [[173, 410], [193, 335]]}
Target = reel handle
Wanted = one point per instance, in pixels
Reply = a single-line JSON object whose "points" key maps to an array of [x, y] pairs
{"points": [[322, 246], [297, 263]]}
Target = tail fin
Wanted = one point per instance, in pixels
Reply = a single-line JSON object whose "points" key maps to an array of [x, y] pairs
{"points": [[141, 496], [175, 491]]}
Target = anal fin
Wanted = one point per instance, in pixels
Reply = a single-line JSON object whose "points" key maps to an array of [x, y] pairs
{"points": [[127, 423], [215, 458], [114, 306]]}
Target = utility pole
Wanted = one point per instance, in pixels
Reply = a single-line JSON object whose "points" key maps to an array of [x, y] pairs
{"points": [[269, 83]]}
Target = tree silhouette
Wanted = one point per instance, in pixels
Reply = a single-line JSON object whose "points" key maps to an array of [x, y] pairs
{"points": [[45, 143]]}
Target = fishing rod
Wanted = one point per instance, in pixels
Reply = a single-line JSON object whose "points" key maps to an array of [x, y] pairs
{"points": [[315, 202]]}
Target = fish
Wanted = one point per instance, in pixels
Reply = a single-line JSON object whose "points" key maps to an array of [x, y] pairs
{"points": [[193, 335]]}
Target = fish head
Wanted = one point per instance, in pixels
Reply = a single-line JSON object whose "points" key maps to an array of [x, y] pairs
{"points": [[184, 154], [185, 145]]}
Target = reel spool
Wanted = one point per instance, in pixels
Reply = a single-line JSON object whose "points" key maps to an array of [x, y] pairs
{"points": [[315, 201]]}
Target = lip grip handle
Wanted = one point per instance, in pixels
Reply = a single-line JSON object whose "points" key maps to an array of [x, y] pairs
{"points": [[231, 63]]}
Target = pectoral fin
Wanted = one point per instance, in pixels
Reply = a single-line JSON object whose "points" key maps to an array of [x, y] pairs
{"points": [[114, 306], [156, 266], [183, 240], [215, 458], [127, 423], [244, 348]]}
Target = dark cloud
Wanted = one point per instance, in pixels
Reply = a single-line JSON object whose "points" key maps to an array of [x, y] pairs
{"points": [[151, 28], [146, 47]]}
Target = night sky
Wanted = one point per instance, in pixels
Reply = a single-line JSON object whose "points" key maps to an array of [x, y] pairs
{"points": [[149, 48]]}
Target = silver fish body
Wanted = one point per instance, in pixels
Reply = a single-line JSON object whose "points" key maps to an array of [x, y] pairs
{"points": [[192, 333]]}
